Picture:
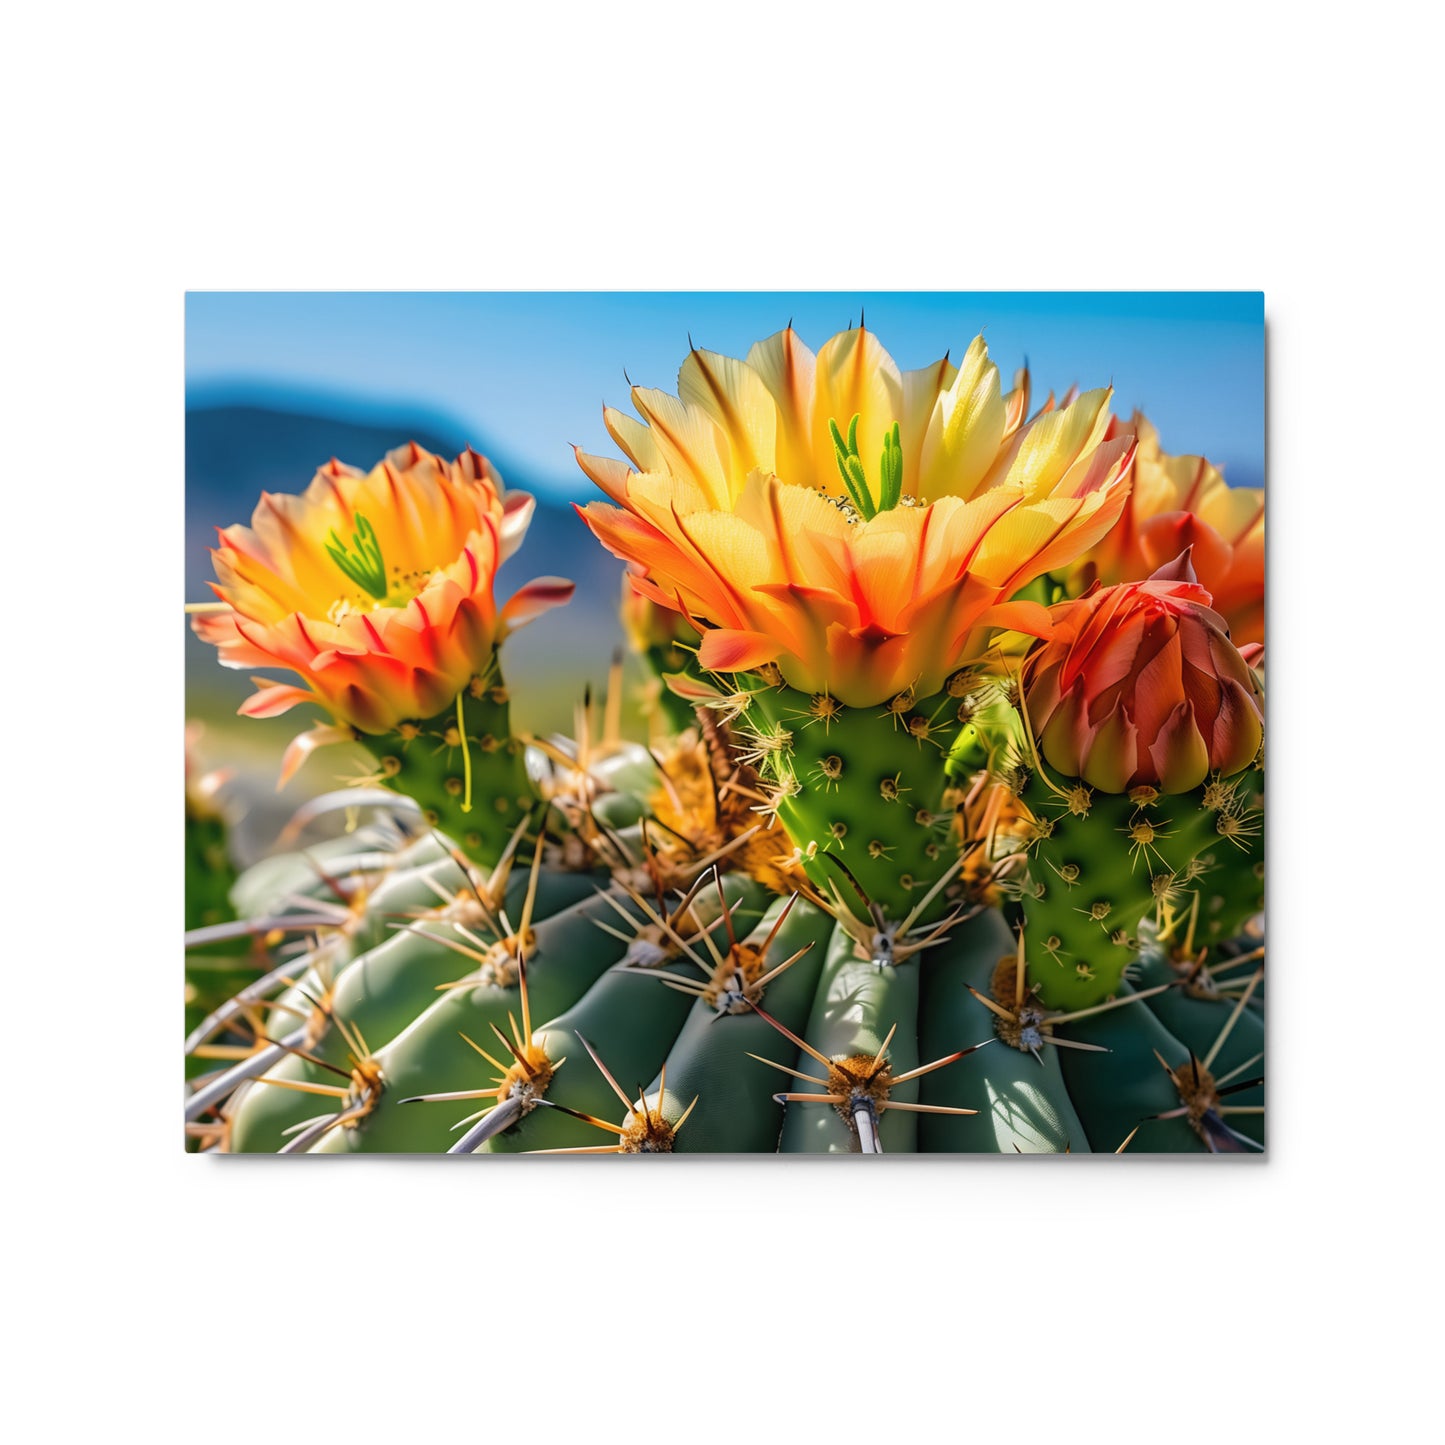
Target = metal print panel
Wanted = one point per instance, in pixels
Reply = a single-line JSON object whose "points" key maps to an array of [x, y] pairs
{"points": [[725, 723]]}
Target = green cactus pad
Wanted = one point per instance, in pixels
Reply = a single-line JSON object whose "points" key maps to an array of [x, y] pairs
{"points": [[463, 767], [864, 786], [1099, 863], [1231, 889]]}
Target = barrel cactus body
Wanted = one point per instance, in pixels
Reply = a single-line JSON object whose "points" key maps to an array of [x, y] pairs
{"points": [[413, 1043]]}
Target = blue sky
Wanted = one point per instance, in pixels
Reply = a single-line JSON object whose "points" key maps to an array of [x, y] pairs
{"points": [[527, 373]]}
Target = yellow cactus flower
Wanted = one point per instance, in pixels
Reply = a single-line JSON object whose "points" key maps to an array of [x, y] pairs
{"points": [[375, 587], [758, 511], [1180, 502]]}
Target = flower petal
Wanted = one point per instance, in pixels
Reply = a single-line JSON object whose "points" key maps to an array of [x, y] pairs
{"points": [[727, 650], [304, 744], [538, 596]]}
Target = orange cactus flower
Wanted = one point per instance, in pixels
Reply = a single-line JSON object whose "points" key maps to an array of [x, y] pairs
{"points": [[1179, 502], [375, 587], [1140, 686], [758, 511]]}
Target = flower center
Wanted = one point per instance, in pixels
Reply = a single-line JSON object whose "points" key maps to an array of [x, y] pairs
{"points": [[855, 479], [362, 562]]}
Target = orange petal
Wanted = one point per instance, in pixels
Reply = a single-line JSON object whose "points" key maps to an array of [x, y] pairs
{"points": [[1180, 755], [1029, 617], [273, 700], [727, 650]]}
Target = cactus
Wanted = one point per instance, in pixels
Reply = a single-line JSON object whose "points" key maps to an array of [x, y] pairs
{"points": [[592, 980], [853, 906], [216, 967], [1149, 723]]}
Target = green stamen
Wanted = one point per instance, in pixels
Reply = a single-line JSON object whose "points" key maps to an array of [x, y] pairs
{"points": [[855, 479], [891, 469], [363, 562], [851, 469]]}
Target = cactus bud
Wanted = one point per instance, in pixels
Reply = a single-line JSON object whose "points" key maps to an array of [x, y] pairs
{"points": [[1140, 686]]}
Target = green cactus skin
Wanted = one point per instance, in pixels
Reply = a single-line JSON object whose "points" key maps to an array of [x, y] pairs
{"points": [[736, 1112], [463, 767], [864, 785], [1197, 1023], [1119, 1091], [386, 880], [840, 1003], [855, 1006], [395, 987], [379, 973], [628, 1018], [661, 661], [633, 1042], [283, 880], [1231, 890], [1022, 1102], [1093, 877]]}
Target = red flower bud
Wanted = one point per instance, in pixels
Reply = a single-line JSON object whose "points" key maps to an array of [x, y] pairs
{"points": [[1140, 684]]}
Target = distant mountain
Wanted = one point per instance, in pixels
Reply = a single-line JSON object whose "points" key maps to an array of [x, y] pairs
{"points": [[234, 453]]}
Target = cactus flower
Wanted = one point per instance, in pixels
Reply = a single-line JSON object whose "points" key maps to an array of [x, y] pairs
{"points": [[861, 528], [375, 587], [1140, 686], [1179, 502]]}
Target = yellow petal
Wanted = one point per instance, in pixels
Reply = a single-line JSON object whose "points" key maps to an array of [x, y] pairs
{"points": [[634, 439], [734, 396], [965, 429], [1148, 435], [856, 377], [920, 394], [292, 538], [609, 474], [799, 523], [788, 369], [252, 588], [1016, 403], [735, 555], [1053, 443], [1042, 536], [689, 441], [656, 496]]}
